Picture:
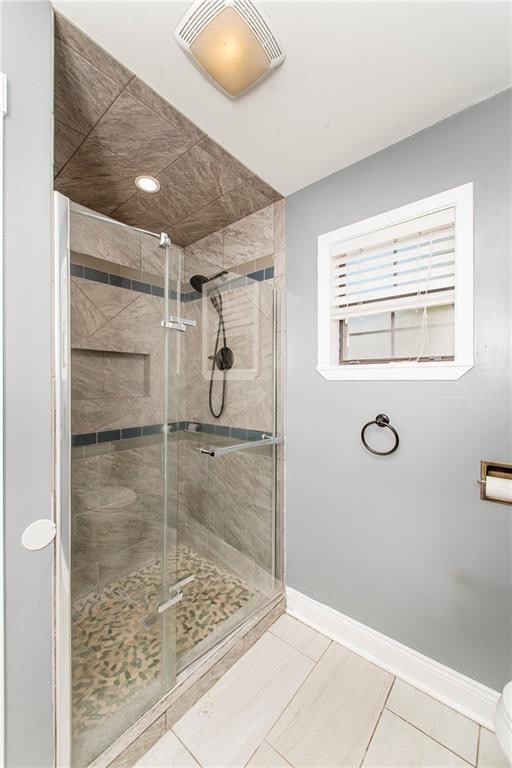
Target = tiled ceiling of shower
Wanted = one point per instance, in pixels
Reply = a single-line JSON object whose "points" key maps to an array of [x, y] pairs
{"points": [[110, 127]]}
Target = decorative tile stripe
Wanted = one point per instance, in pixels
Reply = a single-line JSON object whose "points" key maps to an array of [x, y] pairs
{"points": [[236, 282], [77, 270], [262, 274], [217, 429], [108, 278], [113, 435]]}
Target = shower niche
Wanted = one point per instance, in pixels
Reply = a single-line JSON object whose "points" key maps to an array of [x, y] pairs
{"points": [[167, 467]]}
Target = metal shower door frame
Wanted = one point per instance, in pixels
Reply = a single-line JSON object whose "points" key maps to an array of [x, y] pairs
{"points": [[62, 462], [62, 477]]}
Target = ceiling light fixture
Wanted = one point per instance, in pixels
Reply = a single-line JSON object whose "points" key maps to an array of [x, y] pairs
{"points": [[147, 184], [231, 41]]}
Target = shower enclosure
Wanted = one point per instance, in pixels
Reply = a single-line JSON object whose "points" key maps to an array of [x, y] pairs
{"points": [[166, 468]]}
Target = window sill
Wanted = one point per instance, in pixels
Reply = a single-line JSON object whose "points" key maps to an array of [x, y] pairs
{"points": [[395, 372]]}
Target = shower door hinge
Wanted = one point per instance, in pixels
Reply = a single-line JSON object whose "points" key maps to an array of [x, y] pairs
{"points": [[178, 323]]}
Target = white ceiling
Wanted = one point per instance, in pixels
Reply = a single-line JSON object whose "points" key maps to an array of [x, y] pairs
{"points": [[358, 76]]}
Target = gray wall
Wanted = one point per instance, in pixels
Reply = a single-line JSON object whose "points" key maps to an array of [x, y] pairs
{"points": [[26, 45], [403, 543]]}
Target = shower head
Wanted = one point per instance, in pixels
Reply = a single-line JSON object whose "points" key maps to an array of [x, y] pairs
{"points": [[197, 281]]}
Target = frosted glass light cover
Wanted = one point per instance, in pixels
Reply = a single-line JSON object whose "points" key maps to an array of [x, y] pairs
{"points": [[230, 53]]}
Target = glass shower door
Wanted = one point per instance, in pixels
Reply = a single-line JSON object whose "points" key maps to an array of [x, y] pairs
{"points": [[228, 512], [122, 549]]}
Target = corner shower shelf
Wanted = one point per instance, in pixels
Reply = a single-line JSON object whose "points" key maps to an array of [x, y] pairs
{"points": [[216, 450]]}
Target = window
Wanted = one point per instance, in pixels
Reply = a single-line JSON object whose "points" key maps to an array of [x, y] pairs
{"points": [[395, 293]]}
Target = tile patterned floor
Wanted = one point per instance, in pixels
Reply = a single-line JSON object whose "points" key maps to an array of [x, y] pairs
{"points": [[298, 700], [116, 642]]}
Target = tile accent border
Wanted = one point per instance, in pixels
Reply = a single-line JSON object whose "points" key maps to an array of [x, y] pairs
{"points": [[465, 695], [109, 278], [128, 433], [262, 274]]}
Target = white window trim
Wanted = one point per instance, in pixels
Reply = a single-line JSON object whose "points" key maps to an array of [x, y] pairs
{"points": [[461, 198]]}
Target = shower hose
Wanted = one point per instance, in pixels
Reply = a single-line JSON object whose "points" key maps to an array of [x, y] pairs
{"points": [[216, 300]]}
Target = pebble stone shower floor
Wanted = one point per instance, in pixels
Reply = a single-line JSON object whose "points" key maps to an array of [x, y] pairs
{"points": [[116, 651]]}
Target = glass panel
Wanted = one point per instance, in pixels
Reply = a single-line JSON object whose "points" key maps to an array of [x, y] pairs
{"points": [[404, 334], [124, 490], [369, 323], [436, 339], [369, 346], [226, 512]]}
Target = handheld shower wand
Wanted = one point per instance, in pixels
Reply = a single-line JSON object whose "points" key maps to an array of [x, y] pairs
{"points": [[223, 356]]}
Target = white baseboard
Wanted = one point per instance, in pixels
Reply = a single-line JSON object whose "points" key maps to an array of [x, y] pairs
{"points": [[452, 688]]}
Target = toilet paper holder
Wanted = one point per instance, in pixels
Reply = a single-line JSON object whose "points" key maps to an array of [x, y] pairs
{"points": [[495, 469]]}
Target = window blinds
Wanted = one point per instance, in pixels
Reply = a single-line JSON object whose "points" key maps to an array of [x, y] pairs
{"points": [[405, 266]]}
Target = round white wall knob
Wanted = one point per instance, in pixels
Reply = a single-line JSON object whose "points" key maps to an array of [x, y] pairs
{"points": [[39, 534]]}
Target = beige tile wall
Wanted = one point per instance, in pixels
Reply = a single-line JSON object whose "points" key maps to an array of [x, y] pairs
{"points": [[117, 376], [246, 246], [116, 510], [117, 341], [228, 500]]}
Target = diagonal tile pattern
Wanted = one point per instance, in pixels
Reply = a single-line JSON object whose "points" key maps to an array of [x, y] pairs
{"points": [[261, 714], [443, 724], [303, 638], [82, 92], [122, 126], [151, 99], [158, 211], [396, 743], [226, 726], [67, 142], [97, 178], [332, 718], [111, 127], [490, 754], [199, 176], [266, 757], [232, 206], [83, 45], [168, 751]]}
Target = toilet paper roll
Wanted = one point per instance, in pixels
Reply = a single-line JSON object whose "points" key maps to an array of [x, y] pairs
{"points": [[498, 488]]}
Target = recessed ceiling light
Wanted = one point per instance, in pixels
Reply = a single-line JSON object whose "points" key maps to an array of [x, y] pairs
{"points": [[147, 184], [231, 42]]}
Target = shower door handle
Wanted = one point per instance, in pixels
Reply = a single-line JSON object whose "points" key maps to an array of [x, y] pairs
{"points": [[178, 323], [176, 593], [216, 450], [176, 597]]}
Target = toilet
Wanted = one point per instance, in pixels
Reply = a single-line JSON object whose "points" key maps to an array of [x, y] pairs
{"points": [[503, 721]]}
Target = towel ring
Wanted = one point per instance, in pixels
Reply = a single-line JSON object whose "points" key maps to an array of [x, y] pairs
{"points": [[381, 421]]}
